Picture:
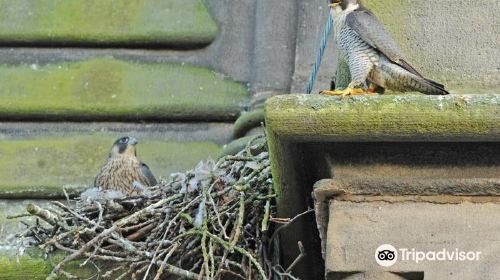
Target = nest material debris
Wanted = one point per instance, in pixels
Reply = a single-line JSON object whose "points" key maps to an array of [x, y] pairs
{"points": [[212, 222]]}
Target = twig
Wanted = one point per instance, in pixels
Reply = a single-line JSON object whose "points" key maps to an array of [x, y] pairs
{"points": [[165, 260], [288, 223], [45, 215], [298, 258]]}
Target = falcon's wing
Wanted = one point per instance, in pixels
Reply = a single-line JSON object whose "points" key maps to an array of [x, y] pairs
{"points": [[148, 174], [371, 30]]}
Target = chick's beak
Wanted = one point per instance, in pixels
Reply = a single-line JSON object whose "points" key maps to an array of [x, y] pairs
{"points": [[132, 141], [333, 5]]}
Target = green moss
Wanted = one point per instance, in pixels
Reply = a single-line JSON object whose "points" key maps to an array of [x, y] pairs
{"points": [[33, 265], [105, 88], [295, 120], [276, 149], [40, 167], [248, 121], [27, 268], [118, 21], [314, 117]]}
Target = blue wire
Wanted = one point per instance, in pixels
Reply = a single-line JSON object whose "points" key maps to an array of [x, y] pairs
{"points": [[319, 56]]}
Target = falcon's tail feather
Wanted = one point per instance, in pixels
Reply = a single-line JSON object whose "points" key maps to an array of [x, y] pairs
{"points": [[433, 88]]}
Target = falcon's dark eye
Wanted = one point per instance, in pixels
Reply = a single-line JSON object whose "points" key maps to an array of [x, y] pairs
{"points": [[123, 140]]}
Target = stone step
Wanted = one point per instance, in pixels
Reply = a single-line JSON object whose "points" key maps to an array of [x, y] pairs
{"points": [[38, 162], [97, 22], [108, 89], [218, 133]]}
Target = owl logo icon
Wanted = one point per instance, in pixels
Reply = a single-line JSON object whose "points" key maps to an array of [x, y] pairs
{"points": [[386, 255]]}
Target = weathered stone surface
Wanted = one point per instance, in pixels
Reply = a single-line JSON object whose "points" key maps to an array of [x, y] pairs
{"points": [[40, 167], [399, 190], [301, 129], [386, 118], [376, 275], [274, 45], [387, 161], [230, 54], [109, 89], [446, 44], [174, 22], [396, 186], [357, 229], [219, 133]]}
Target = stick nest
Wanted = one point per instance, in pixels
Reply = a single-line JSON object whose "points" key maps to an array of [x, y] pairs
{"points": [[212, 222]]}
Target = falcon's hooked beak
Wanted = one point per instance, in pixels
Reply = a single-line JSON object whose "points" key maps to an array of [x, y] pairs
{"points": [[132, 141], [334, 3]]}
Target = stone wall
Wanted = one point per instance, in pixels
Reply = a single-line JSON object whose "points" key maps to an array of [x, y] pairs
{"points": [[176, 74], [76, 75]]}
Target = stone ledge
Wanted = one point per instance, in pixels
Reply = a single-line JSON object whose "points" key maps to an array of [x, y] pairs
{"points": [[299, 128], [218, 133], [407, 186], [96, 22], [109, 89], [400, 190], [385, 118], [40, 167]]}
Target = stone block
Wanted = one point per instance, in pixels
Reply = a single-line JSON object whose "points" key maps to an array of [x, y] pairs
{"points": [[109, 89], [104, 22], [357, 229]]}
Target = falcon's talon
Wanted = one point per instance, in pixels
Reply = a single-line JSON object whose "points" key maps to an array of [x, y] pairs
{"points": [[331, 92], [349, 91]]}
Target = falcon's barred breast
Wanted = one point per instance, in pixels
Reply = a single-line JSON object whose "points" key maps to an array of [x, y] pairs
{"points": [[123, 171]]}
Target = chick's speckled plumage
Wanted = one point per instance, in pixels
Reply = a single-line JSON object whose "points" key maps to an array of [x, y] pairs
{"points": [[372, 54], [123, 171]]}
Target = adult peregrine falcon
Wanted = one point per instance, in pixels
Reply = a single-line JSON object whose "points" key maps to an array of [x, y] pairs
{"points": [[123, 171], [373, 58]]}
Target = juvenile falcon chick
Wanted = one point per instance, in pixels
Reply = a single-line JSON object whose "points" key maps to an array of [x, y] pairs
{"points": [[372, 55], [123, 171]]}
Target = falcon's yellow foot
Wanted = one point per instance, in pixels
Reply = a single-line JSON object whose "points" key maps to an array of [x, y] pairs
{"points": [[346, 92]]}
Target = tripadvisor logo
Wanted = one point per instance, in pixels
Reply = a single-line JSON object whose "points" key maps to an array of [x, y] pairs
{"points": [[387, 255]]}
